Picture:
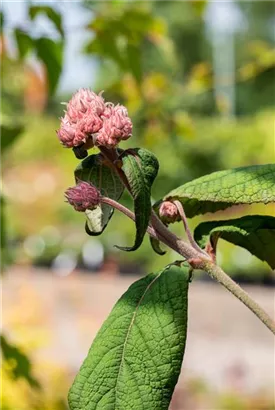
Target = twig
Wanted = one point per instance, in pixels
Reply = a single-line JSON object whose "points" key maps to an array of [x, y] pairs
{"points": [[220, 276], [186, 227]]}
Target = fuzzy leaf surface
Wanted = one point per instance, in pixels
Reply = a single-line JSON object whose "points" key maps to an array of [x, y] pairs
{"points": [[222, 189], [92, 169], [256, 233], [135, 359], [140, 167]]}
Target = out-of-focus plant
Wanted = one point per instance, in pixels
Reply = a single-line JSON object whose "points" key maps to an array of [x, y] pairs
{"points": [[136, 358]]}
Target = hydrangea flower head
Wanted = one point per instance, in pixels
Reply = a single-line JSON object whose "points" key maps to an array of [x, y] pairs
{"points": [[89, 120], [116, 126]]}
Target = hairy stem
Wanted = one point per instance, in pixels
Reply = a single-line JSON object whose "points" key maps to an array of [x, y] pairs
{"points": [[177, 244], [186, 227], [220, 276], [193, 254], [199, 261], [150, 230]]}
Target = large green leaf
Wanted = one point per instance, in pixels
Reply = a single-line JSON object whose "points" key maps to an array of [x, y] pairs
{"points": [[51, 13], [135, 359], [24, 42], [50, 52], [140, 167], [19, 364], [222, 189], [9, 134], [256, 233], [92, 169]]}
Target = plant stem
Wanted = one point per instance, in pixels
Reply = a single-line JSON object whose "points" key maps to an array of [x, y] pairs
{"points": [[186, 227], [192, 253], [151, 231], [220, 276], [177, 244], [199, 261]]}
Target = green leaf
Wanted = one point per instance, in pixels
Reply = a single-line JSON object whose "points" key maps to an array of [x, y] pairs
{"points": [[156, 246], [256, 233], [52, 14], [24, 42], [222, 189], [140, 167], [50, 52], [92, 169], [135, 359], [20, 365], [9, 134]]}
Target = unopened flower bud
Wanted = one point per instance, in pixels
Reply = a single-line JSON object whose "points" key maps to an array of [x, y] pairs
{"points": [[168, 212], [83, 196]]}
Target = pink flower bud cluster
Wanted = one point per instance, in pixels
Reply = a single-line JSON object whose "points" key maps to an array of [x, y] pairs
{"points": [[168, 212], [88, 117], [83, 196]]}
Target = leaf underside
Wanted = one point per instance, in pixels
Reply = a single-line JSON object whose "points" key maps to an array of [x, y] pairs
{"points": [[155, 243], [92, 169], [256, 233], [222, 189], [140, 167], [135, 359]]}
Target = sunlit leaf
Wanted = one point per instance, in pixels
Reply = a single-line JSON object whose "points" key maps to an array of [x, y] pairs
{"points": [[256, 233], [135, 359], [222, 189]]}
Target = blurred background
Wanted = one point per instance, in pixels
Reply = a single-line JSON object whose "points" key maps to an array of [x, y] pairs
{"points": [[198, 79]]}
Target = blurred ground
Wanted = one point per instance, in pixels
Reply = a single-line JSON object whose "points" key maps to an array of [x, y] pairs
{"points": [[228, 348]]}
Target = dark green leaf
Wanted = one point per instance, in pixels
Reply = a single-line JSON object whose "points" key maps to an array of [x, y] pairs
{"points": [[222, 189], [156, 246], [20, 364], [24, 42], [50, 52], [135, 359], [140, 167], [256, 233], [92, 169], [9, 134], [52, 14]]}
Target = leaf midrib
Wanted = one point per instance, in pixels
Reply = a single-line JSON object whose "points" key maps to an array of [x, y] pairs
{"points": [[130, 327]]}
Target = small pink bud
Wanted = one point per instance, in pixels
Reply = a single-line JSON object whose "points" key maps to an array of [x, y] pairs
{"points": [[83, 196], [168, 212], [116, 126]]}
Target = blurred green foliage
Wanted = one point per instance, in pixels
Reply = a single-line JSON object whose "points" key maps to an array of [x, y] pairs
{"points": [[156, 58]]}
